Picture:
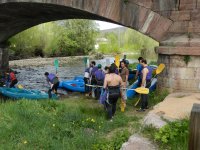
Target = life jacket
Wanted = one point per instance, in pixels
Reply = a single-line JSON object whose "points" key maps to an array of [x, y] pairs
{"points": [[94, 69], [99, 75], [51, 77], [149, 75], [12, 76]]}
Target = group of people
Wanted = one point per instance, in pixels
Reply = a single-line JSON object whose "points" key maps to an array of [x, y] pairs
{"points": [[115, 81], [9, 78], [112, 79]]}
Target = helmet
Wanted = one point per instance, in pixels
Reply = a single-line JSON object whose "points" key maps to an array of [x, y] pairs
{"points": [[127, 62], [99, 65]]}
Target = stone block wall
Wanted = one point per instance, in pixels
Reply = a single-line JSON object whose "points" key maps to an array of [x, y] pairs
{"points": [[178, 75], [4, 59]]}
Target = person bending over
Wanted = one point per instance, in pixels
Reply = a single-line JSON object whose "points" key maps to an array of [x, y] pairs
{"points": [[52, 79]]}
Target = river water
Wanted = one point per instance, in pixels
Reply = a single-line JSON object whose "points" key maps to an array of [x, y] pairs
{"points": [[33, 77]]}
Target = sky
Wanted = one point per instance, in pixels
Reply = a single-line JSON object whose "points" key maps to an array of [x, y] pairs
{"points": [[105, 25]]}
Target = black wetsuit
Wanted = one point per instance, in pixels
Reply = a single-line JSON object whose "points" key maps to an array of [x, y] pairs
{"points": [[114, 93]]}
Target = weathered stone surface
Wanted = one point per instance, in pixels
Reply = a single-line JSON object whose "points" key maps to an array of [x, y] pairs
{"points": [[4, 63], [152, 119], [180, 15], [137, 142], [188, 4], [194, 51], [164, 5], [179, 76], [17, 16], [179, 27]]}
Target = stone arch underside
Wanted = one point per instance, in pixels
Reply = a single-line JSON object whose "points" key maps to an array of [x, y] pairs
{"points": [[18, 15]]}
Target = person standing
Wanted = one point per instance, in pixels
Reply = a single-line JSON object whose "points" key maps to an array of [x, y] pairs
{"points": [[52, 79], [124, 75], [112, 83], [146, 82], [12, 78], [86, 79], [139, 68], [94, 68], [99, 76]]}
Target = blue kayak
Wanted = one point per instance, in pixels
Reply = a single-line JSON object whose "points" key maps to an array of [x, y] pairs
{"points": [[16, 93], [74, 85], [79, 78], [132, 93]]}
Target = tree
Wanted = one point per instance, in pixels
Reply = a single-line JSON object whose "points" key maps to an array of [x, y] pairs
{"points": [[61, 38]]}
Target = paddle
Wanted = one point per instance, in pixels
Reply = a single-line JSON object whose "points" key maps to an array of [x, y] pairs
{"points": [[56, 64], [117, 61], [19, 86], [140, 90], [160, 68], [85, 61]]}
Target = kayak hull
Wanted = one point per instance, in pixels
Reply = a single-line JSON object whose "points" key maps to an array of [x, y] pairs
{"points": [[74, 85], [15, 93], [132, 93]]}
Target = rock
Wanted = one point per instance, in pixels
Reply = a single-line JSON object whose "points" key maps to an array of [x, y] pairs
{"points": [[153, 119], [137, 142]]}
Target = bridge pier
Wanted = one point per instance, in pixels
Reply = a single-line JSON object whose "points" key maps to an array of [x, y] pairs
{"points": [[4, 58], [181, 55]]}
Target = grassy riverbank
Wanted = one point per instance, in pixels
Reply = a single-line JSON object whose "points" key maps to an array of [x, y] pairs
{"points": [[72, 123]]}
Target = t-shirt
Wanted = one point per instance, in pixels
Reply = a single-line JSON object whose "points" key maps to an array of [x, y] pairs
{"points": [[139, 68], [124, 73], [12, 76]]}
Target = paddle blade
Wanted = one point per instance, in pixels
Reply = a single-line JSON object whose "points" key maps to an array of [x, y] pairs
{"points": [[19, 86], [117, 60], [160, 68], [142, 90], [56, 63]]}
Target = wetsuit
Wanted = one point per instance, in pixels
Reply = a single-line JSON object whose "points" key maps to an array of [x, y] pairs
{"points": [[13, 80], [114, 93], [144, 97], [53, 80]]}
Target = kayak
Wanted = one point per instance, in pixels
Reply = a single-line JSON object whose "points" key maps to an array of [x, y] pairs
{"points": [[74, 85], [16, 93], [132, 93], [79, 78], [153, 84]]}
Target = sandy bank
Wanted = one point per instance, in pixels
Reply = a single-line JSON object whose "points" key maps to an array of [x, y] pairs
{"points": [[46, 61]]}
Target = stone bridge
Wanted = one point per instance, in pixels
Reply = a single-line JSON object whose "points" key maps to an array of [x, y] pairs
{"points": [[173, 23]]}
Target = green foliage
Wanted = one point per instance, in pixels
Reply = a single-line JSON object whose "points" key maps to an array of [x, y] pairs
{"points": [[187, 59], [174, 135], [77, 124], [127, 41], [114, 144], [157, 96], [61, 38]]}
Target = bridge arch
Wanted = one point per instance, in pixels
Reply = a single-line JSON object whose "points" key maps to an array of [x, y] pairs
{"points": [[18, 15]]}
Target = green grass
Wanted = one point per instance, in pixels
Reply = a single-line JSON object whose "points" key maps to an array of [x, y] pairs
{"points": [[173, 136], [66, 124], [80, 123]]}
